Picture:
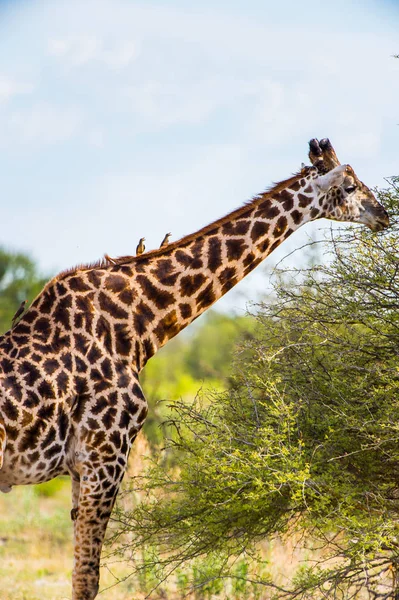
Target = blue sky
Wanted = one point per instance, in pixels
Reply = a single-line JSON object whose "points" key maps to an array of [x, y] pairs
{"points": [[120, 119]]}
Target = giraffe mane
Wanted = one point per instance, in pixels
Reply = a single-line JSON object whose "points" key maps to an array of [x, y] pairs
{"points": [[122, 260]]}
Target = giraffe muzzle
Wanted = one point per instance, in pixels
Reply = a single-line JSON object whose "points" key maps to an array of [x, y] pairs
{"points": [[375, 217]]}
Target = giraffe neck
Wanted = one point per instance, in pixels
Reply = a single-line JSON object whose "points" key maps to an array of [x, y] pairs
{"points": [[128, 310], [180, 283]]}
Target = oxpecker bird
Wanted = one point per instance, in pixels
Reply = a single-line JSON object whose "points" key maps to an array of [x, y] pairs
{"points": [[19, 312], [165, 240], [140, 247]]}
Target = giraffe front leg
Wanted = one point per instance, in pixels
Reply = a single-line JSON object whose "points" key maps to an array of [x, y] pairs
{"points": [[96, 498]]}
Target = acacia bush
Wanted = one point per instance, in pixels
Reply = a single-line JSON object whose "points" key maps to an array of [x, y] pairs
{"points": [[305, 442]]}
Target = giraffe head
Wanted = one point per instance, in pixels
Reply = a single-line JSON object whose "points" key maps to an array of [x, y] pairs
{"points": [[340, 195]]}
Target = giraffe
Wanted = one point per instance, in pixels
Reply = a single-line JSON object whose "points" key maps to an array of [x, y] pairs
{"points": [[70, 397]]}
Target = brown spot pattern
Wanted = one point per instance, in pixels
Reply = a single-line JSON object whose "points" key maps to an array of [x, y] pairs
{"points": [[296, 216], [314, 212], [259, 229], [286, 199], [161, 298], [267, 210], [235, 248], [280, 226], [206, 297], [214, 254], [185, 310], [191, 284], [304, 200], [240, 227]]}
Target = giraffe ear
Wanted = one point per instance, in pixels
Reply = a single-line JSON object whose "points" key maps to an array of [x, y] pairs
{"points": [[333, 178]]}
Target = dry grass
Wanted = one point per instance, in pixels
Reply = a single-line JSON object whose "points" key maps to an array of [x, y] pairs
{"points": [[36, 552], [36, 545]]}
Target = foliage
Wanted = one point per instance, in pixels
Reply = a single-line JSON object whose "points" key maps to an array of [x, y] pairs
{"points": [[19, 280], [202, 356], [211, 352], [304, 441], [202, 353]]}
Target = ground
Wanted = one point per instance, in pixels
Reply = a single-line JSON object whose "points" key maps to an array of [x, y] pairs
{"points": [[36, 546], [36, 553]]}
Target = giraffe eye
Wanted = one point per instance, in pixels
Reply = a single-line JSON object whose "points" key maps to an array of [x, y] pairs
{"points": [[350, 189]]}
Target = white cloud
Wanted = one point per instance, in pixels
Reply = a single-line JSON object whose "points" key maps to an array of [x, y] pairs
{"points": [[121, 55], [95, 138], [10, 88], [81, 50], [41, 124], [77, 50], [162, 103], [58, 47]]}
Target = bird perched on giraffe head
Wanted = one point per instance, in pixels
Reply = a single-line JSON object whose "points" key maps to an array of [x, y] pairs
{"points": [[140, 247], [165, 240]]}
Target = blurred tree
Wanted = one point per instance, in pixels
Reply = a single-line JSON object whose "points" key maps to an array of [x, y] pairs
{"points": [[201, 356], [19, 280], [210, 353], [306, 438]]}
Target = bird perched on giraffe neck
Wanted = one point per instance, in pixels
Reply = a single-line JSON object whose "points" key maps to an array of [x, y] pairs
{"points": [[165, 240], [140, 246], [19, 312]]}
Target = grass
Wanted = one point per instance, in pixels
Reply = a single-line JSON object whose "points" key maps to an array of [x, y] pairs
{"points": [[36, 551], [35, 543]]}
